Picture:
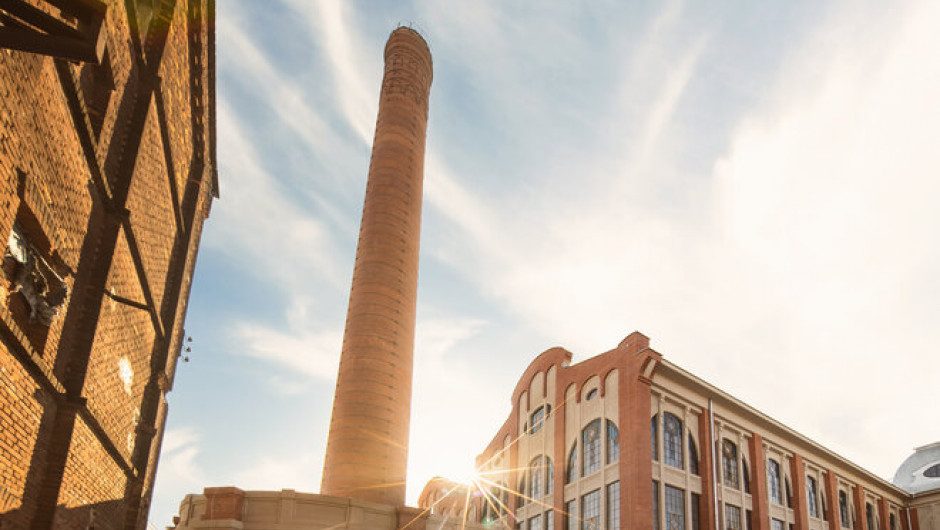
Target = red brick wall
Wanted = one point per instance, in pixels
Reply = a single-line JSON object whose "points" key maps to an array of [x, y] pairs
{"points": [[118, 212]]}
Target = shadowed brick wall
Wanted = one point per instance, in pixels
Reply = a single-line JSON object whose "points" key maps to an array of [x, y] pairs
{"points": [[107, 173]]}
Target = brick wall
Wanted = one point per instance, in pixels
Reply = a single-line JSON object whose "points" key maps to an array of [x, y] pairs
{"points": [[107, 170]]}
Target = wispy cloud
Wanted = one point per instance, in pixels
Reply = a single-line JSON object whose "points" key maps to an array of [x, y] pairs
{"points": [[342, 48], [300, 352], [180, 471]]}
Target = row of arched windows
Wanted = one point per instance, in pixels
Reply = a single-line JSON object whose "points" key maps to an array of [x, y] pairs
{"points": [[591, 445]]}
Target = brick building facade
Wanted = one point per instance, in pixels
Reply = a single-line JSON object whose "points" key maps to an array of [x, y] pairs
{"points": [[107, 160], [629, 440]]}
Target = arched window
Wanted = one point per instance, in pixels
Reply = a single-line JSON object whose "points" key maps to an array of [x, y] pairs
{"points": [[536, 477], [844, 510], [570, 470], [811, 497], [773, 481], [541, 476], [538, 418], [613, 442], [591, 448], [729, 464], [672, 440], [693, 456], [654, 436]]}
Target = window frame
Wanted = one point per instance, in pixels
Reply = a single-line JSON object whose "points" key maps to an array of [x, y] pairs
{"points": [[591, 448], [734, 480], [774, 493], [673, 453]]}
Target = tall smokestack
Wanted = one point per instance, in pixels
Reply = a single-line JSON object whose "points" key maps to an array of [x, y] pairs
{"points": [[367, 451]]}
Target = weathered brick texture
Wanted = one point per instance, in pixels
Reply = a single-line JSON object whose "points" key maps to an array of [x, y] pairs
{"points": [[107, 173]]}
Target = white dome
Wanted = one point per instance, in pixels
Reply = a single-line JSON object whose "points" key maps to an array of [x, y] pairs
{"points": [[921, 471]]}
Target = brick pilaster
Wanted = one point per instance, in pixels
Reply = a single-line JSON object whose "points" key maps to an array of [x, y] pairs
{"points": [[800, 500], [883, 513], [858, 495], [636, 472], [761, 513], [832, 493]]}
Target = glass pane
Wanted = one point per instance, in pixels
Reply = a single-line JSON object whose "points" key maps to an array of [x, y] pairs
{"points": [[675, 508], [571, 515], [732, 517], [591, 444], [591, 511], [672, 440], [655, 505], [729, 464], [613, 506], [613, 442]]}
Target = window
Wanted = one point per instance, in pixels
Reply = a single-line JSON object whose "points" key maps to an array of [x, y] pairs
{"points": [[549, 520], [592, 393], [672, 440], [844, 509], [591, 448], [729, 464], [693, 456], [811, 497], [541, 475], [746, 475], [549, 476], [825, 508], [732, 517], [675, 508], [696, 506], [521, 490], [892, 522], [773, 481], [536, 478], [932, 471], [655, 505], [870, 515], [571, 515], [572, 464], [535, 523], [591, 510], [654, 437], [776, 524], [749, 520], [613, 506], [538, 418], [613, 442]]}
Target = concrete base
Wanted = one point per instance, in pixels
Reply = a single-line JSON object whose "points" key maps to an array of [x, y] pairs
{"points": [[230, 508]]}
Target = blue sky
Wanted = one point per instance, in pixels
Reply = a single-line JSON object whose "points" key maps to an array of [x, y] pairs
{"points": [[752, 185]]}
